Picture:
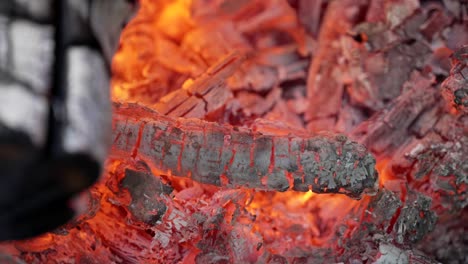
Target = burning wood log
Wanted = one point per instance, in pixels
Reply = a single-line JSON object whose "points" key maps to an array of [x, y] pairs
{"points": [[236, 157]]}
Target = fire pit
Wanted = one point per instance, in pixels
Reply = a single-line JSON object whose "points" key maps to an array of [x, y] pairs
{"points": [[219, 152]]}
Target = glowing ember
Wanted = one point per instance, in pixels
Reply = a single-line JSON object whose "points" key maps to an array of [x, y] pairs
{"points": [[368, 73]]}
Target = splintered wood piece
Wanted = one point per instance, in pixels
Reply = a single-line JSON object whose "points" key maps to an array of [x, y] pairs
{"points": [[324, 86], [233, 157], [205, 94], [388, 129], [426, 143]]}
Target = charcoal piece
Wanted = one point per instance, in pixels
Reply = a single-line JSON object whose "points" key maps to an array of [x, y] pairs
{"points": [[448, 242], [456, 7], [451, 175], [415, 220], [383, 207], [437, 21], [378, 132], [386, 73], [398, 11], [276, 259], [212, 258], [455, 87], [456, 36], [145, 190], [389, 253], [324, 87], [439, 157], [426, 121], [378, 36]]}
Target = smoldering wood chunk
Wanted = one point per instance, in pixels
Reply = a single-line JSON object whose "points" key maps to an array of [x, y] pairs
{"points": [[381, 66], [455, 87], [388, 129], [254, 77], [276, 259], [253, 104], [427, 120], [448, 242], [145, 190], [390, 74], [457, 36], [415, 220], [384, 206], [457, 8], [438, 19], [440, 158], [212, 258], [389, 253], [324, 82]]}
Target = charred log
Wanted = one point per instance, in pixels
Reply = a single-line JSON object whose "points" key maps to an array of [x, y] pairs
{"points": [[236, 157]]}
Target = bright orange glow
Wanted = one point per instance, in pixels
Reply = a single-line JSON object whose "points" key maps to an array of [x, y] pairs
{"points": [[167, 37], [165, 48], [384, 170]]}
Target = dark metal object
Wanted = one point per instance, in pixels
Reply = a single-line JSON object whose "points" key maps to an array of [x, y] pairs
{"points": [[55, 108]]}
